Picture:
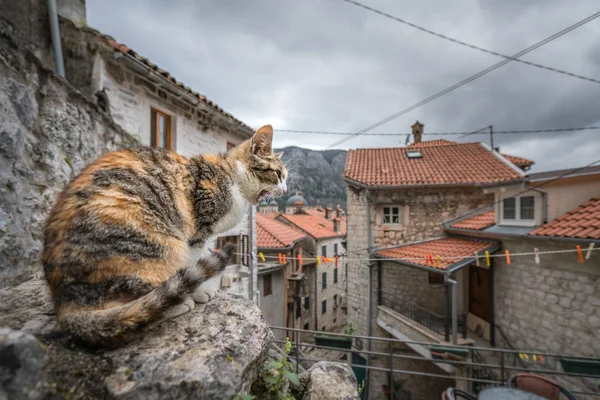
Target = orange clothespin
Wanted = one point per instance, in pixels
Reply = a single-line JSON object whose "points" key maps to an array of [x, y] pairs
{"points": [[280, 258], [262, 257], [541, 358], [487, 258], [580, 254], [507, 256], [284, 258], [336, 261], [325, 260], [300, 259]]}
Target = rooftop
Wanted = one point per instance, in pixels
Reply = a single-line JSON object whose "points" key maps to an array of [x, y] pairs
{"points": [[440, 164], [582, 223], [274, 234], [519, 161], [547, 175], [315, 225], [452, 251], [477, 222]]}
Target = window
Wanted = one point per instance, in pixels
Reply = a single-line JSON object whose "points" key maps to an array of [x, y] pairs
{"points": [[324, 251], [413, 154], [519, 209], [335, 321], [323, 307], [509, 210], [307, 326], [230, 146], [335, 300], [324, 280], [160, 129], [335, 249], [335, 276], [267, 288], [391, 215], [223, 240], [306, 302], [527, 207]]}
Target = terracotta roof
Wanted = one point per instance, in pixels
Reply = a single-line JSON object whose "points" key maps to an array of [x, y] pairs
{"points": [[450, 249], [460, 163], [582, 222], [127, 50], [477, 222], [274, 234], [316, 226], [321, 213], [518, 161], [431, 143]]}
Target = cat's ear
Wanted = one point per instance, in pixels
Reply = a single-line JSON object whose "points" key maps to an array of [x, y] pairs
{"points": [[279, 155], [262, 141]]}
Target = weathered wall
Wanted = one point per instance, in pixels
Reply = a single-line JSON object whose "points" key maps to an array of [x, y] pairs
{"points": [[334, 318], [273, 305], [46, 126]]}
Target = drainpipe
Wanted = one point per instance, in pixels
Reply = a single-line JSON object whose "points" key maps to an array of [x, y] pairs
{"points": [[454, 308], [55, 34], [544, 202], [369, 285]]}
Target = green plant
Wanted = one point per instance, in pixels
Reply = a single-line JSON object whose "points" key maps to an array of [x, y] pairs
{"points": [[278, 375], [351, 329], [361, 387], [244, 396]]}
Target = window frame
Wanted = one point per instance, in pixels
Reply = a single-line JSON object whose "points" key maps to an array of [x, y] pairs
{"points": [[391, 214], [324, 307], [235, 239], [335, 249], [335, 276], [324, 250], [155, 115], [324, 281], [518, 220], [306, 303], [269, 286]]}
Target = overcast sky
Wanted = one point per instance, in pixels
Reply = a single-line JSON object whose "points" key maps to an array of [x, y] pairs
{"points": [[329, 65]]}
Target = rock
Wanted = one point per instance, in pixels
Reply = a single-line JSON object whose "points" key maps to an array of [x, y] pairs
{"points": [[22, 362], [213, 352], [328, 380]]}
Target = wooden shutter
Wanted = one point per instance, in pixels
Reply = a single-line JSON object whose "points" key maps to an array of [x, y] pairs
{"points": [[245, 250]]}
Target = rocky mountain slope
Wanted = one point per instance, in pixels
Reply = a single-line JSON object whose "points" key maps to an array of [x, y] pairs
{"points": [[318, 175]]}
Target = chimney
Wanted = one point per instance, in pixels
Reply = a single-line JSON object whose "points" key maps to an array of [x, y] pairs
{"points": [[336, 224], [338, 212], [299, 206], [417, 131], [328, 211]]}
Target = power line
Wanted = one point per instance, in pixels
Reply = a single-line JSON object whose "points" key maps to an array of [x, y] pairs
{"points": [[467, 80], [469, 45], [533, 188], [505, 132]]}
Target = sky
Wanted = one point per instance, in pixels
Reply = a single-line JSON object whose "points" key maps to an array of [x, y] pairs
{"points": [[329, 65]]}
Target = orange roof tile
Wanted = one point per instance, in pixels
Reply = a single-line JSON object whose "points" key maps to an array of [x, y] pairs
{"points": [[518, 161], [459, 163], [450, 249], [583, 222], [274, 234], [126, 50], [431, 143], [316, 226], [477, 222]]}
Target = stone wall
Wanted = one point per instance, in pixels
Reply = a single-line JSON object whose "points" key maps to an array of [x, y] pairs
{"points": [[553, 306], [48, 132]]}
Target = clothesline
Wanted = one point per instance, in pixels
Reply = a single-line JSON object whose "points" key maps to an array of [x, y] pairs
{"points": [[432, 258]]}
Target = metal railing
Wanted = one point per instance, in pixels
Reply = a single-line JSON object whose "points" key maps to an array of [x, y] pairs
{"points": [[440, 324], [473, 361]]}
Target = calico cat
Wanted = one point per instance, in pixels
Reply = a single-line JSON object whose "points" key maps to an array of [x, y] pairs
{"points": [[117, 241]]}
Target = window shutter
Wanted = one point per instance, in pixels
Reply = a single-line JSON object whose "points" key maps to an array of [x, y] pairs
{"points": [[245, 251]]}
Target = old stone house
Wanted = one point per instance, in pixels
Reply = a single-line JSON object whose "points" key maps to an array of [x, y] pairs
{"points": [[398, 200], [147, 102], [326, 233], [280, 280]]}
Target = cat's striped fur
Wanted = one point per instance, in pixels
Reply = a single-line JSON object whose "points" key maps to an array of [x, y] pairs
{"points": [[117, 239]]}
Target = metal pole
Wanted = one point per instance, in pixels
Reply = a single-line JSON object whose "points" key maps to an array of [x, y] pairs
{"points": [[297, 351], [369, 288], [454, 307], [55, 34], [492, 136], [390, 375]]}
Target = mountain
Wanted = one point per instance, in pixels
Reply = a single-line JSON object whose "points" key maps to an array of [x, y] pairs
{"points": [[317, 175]]}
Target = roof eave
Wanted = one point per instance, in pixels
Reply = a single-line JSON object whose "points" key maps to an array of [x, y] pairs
{"points": [[435, 185], [500, 236]]}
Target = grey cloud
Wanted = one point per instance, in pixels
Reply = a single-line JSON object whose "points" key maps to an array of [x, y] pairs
{"points": [[328, 65]]}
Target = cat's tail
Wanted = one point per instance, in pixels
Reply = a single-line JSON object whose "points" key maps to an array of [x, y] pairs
{"points": [[111, 326]]}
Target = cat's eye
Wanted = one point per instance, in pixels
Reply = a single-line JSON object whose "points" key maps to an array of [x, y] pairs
{"points": [[278, 173]]}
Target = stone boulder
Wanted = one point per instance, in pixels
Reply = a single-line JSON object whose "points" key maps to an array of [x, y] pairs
{"points": [[213, 352], [328, 380]]}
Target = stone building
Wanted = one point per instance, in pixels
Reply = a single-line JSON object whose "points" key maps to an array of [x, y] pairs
{"points": [[326, 235], [295, 203], [268, 208], [145, 100], [398, 199], [280, 279]]}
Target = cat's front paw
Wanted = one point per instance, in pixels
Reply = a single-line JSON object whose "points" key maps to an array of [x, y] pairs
{"points": [[204, 293]]}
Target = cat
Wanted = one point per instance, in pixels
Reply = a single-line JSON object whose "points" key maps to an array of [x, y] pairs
{"points": [[118, 238]]}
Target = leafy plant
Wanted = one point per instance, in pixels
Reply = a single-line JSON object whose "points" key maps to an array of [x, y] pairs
{"points": [[351, 329], [361, 387], [244, 396], [278, 375]]}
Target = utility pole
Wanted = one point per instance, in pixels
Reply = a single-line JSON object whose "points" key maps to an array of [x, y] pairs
{"points": [[492, 136]]}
